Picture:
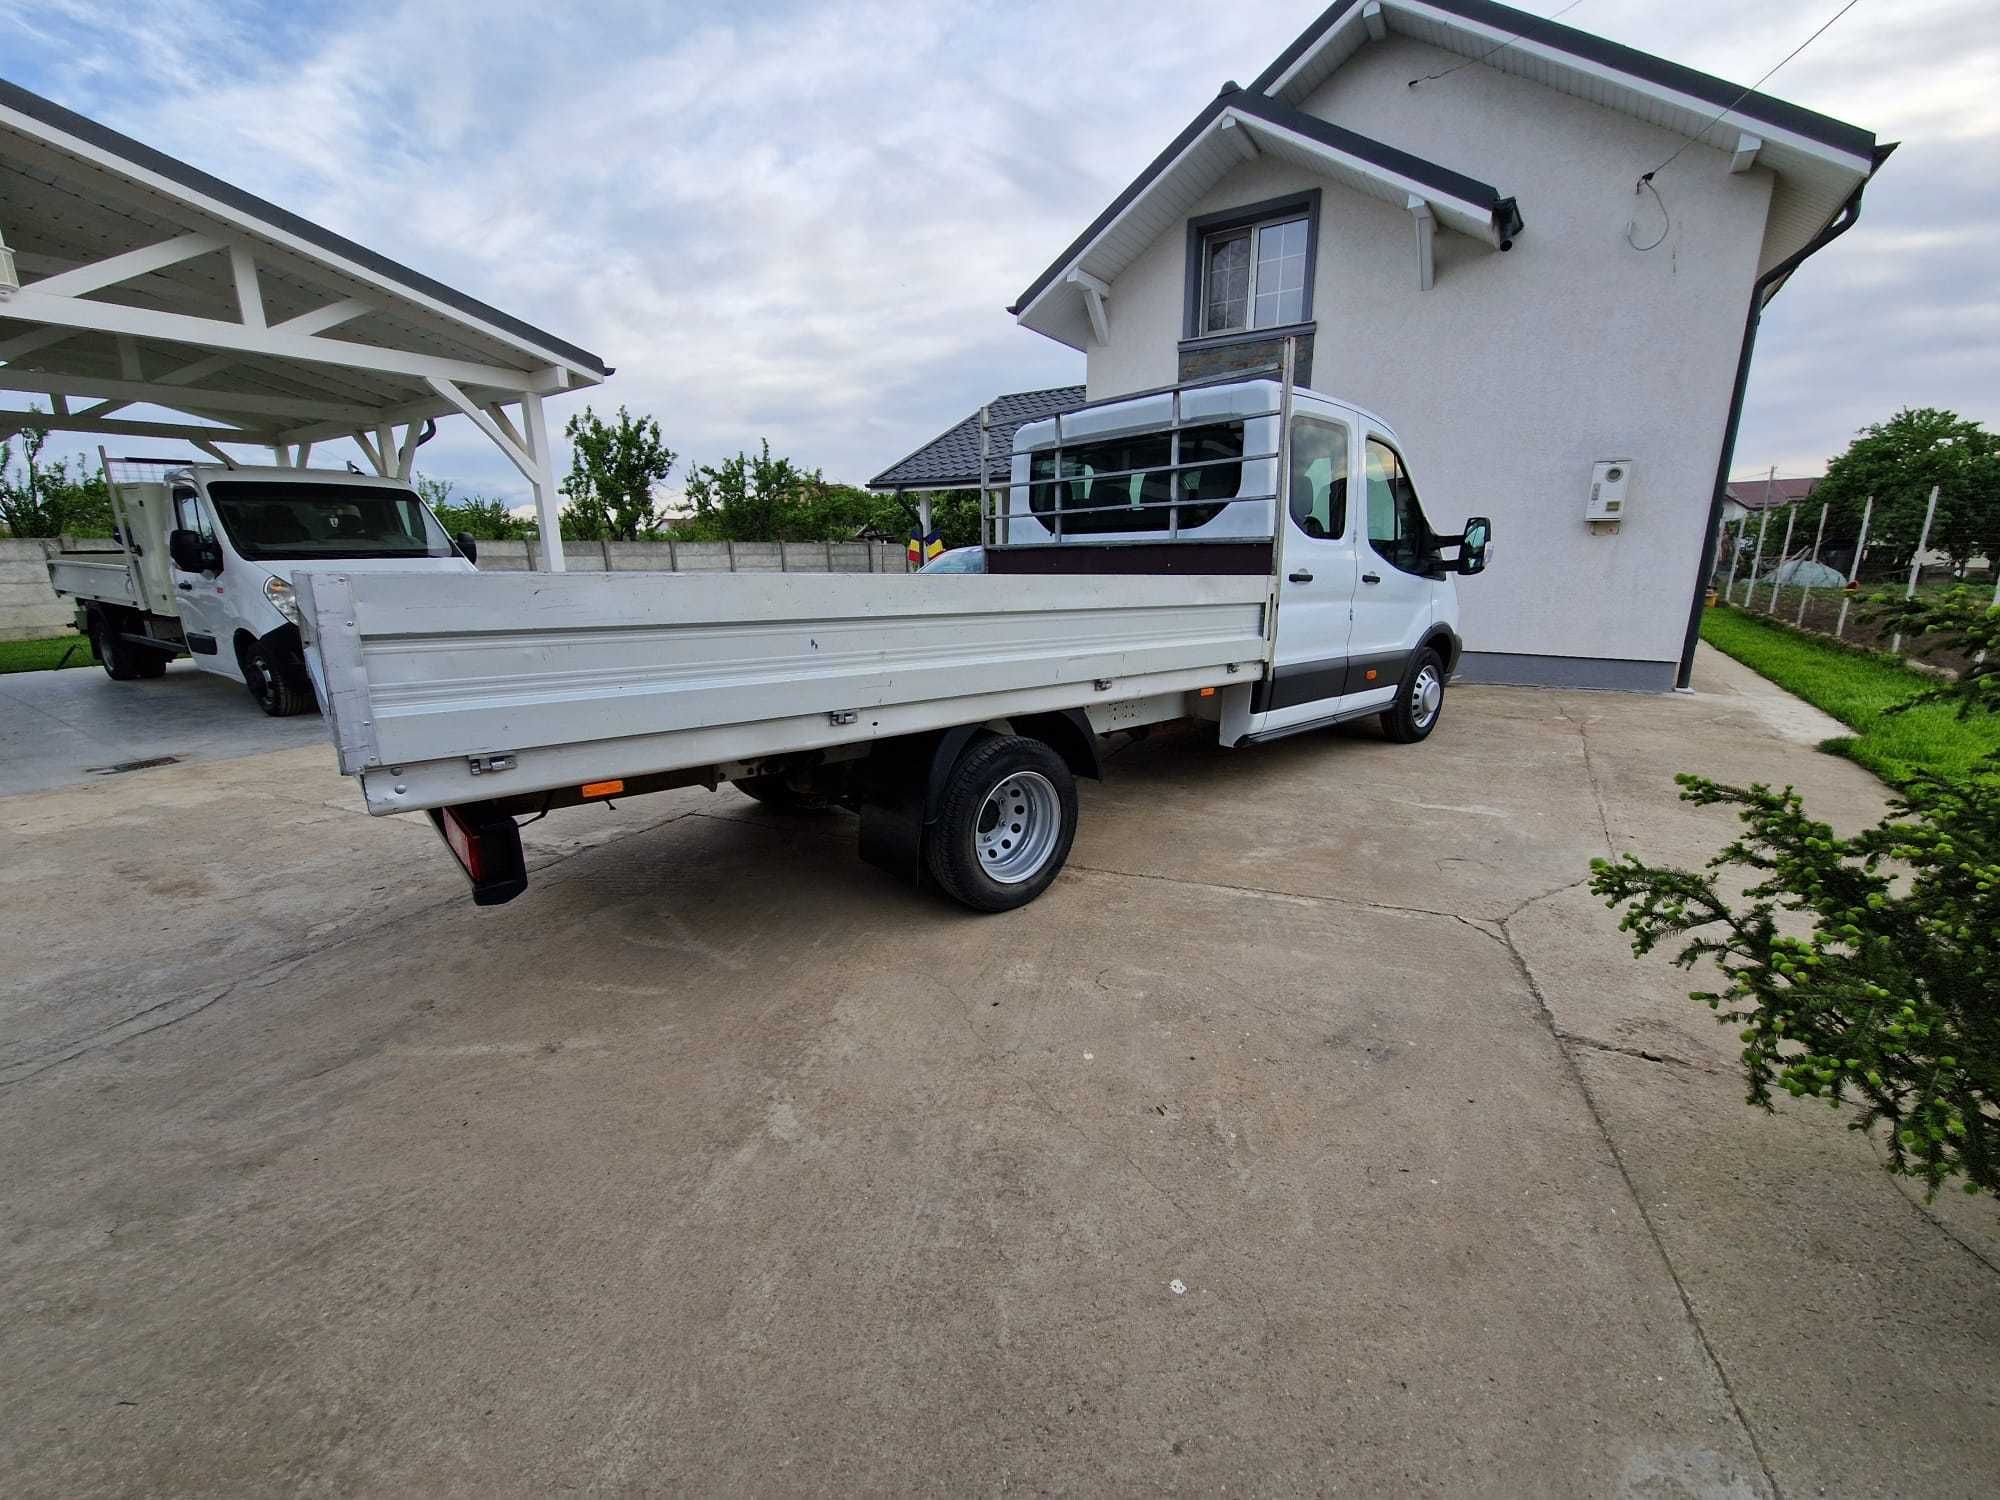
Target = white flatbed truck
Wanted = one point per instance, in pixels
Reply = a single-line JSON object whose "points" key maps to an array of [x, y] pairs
{"points": [[206, 556], [1136, 576]]}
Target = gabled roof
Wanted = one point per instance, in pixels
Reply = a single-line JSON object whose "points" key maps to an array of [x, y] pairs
{"points": [[950, 461], [1818, 161], [1208, 150], [1768, 494]]}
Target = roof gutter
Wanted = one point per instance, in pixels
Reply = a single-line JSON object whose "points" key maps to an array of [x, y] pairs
{"points": [[1838, 225]]}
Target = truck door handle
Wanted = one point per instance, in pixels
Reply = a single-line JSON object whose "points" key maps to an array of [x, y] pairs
{"points": [[1371, 577], [185, 588], [1300, 577]]}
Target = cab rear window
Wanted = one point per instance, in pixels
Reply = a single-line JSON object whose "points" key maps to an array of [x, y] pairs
{"points": [[1133, 484]]}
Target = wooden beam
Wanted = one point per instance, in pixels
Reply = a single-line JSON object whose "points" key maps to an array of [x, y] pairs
{"points": [[249, 294], [30, 306], [99, 274], [182, 397], [12, 422], [1236, 135], [1095, 291], [487, 425], [1373, 19], [27, 343], [1744, 157]]}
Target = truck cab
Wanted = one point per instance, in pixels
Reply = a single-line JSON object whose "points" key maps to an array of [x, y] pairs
{"points": [[210, 555], [1365, 608]]}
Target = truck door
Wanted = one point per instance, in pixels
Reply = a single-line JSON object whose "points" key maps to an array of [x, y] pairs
{"points": [[1317, 588], [1392, 597], [203, 605]]}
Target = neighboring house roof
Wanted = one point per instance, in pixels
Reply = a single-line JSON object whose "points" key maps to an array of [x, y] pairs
{"points": [[1768, 494], [950, 461], [1818, 161]]}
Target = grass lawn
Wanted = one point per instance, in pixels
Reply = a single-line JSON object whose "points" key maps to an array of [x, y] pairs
{"points": [[1858, 690], [38, 656]]}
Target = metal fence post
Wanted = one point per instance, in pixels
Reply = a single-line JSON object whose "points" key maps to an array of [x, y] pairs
{"points": [[1784, 554], [1756, 562], [1854, 570], [1916, 564], [1818, 537], [1735, 552]]}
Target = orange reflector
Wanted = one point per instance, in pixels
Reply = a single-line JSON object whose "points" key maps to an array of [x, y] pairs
{"points": [[1208, 692], [601, 788], [1369, 675]]}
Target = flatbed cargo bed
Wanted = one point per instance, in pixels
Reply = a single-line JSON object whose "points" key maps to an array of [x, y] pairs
{"points": [[573, 678]]}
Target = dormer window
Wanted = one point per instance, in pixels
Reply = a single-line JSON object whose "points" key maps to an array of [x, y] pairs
{"points": [[1251, 268]]}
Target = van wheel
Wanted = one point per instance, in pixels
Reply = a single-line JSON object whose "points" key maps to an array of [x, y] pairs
{"points": [[277, 690], [1419, 701], [122, 661], [1004, 825], [775, 791]]}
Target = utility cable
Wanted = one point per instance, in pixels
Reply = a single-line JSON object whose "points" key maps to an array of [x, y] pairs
{"points": [[1431, 77]]}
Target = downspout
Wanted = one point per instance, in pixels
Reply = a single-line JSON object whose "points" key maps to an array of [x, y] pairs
{"points": [[1835, 228]]}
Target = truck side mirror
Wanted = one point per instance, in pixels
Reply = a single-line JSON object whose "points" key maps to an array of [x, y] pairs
{"points": [[468, 546], [1472, 545], [193, 553]]}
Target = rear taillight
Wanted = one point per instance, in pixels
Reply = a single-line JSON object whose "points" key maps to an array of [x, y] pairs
{"points": [[487, 845]]}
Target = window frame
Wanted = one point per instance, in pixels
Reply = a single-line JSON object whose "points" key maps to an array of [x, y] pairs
{"points": [[1427, 558], [1253, 217]]}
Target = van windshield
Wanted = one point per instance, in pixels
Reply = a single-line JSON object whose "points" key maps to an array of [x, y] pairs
{"points": [[276, 518]]}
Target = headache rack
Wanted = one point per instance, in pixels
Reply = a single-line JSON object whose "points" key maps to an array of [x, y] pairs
{"points": [[997, 508]]}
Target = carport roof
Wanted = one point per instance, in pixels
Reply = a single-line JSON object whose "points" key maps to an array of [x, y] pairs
{"points": [[144, 280]]}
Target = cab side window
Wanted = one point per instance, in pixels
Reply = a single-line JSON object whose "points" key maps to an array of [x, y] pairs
{"points": [[1396, 526], [190, 516], [1319, 477]]}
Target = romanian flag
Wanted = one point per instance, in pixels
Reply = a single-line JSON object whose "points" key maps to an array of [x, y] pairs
{"points": [[923, 548]]}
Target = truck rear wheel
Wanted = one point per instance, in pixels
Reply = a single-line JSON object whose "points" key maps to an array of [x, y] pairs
{"points": [[122, 661], [278, 689], [1005, 824]]}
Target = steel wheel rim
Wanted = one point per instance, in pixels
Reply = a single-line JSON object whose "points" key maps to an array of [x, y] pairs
{"points": [[1018, 825], [1426, 696]]}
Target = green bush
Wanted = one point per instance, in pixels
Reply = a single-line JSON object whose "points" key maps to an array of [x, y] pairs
{"points": [[1860, 970]]}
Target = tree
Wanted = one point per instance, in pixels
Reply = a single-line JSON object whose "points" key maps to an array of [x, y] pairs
{"points": [[482, 517], [1897, 462], [63, 497], [759, 498], [613, 471], [1863, 968]]}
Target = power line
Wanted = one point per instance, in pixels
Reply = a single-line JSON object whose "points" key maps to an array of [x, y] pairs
{"points": [[1429, 77], [1647, 177]]}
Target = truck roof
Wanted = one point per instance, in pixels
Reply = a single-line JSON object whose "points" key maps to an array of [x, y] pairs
{"points": [[1138, 411]]}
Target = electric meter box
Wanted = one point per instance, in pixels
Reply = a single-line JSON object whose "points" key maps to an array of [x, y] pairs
{"points": [[1608, 480]]}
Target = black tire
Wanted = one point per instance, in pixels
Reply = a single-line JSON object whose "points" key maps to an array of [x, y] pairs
{"points": [[1046, 809], [773, 791], [122, 661], [279, 688], [1419, 700]]}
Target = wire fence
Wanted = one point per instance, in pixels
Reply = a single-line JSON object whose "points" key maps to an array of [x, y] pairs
{"points": [[1783, 562]]}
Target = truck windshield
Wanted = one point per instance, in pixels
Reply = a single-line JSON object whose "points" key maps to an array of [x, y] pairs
{"points": [[277, 518]]}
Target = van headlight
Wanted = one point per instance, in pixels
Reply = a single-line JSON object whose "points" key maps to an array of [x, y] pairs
{"points": [[283, 599]]}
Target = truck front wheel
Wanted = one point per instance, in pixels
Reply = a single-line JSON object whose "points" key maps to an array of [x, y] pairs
{"points": [[1004, 825], [279, 688], [1419, 701]]}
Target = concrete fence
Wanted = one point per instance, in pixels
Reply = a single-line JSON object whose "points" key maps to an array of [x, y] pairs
{"points": [[30, 608]]}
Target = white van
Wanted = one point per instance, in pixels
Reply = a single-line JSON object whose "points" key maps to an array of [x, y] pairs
{"points": [[206, 556], [1241, 554]]}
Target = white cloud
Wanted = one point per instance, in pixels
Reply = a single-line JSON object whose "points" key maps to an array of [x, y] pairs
{"points": [[804, 222]]}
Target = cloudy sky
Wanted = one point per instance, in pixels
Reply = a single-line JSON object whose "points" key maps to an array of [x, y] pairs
{"points": [[805, 221]]}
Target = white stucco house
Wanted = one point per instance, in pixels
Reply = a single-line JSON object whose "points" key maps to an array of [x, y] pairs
{"points": [[1532, 250]]}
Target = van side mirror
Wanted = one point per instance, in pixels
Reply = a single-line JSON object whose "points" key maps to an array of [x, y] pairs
{"points": [[1473, 545], [194, 553], [465, 544]]}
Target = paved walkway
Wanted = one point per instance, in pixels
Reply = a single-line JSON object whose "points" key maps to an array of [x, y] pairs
{"points": [[1315, 1133]]}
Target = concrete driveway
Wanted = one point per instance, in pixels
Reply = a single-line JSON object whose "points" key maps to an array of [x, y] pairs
{"points": [[1315, 1133]]}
